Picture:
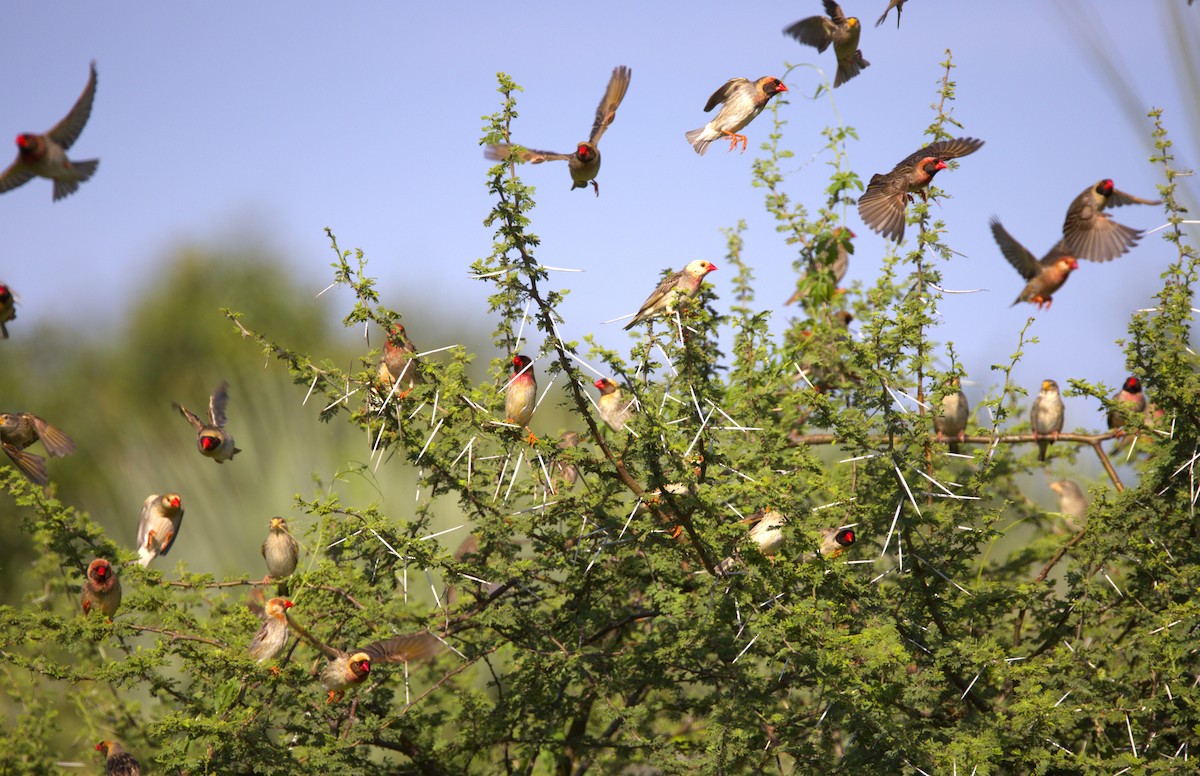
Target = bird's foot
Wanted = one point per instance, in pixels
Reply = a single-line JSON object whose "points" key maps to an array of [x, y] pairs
{"points": [[335, 696], [532, 438], [734, 139], [596, 186]]}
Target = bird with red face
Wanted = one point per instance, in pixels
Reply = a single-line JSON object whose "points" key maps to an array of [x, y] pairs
{"points": [[1090, 233], [118, 762], [1127, 402], [45, 156], [882, 206], [8, 308], [584, 163], [520, 396], [272, 636], [842, 31], [101, 589], [683, 284], [19, 430], [615, 410], [398, 367], [158, 526], [1045, 276], [741, 101], [212, 439]]}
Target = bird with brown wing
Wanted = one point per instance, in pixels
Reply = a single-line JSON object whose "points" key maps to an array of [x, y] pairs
{"points": [[212, 439], [19, 430], [1090, 233], [1044, 276], [741, 101]]}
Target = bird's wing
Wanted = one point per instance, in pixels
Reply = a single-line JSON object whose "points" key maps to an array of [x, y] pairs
{"points": [[725, 92], [16, 175], [191, 416], [53, 439], [814, 31], [216, 405], [500, 152], [400, 649], [1018, 256], [664, 288], [144, 520], [606, 111], [67, 131], [835, 12], [946, 149], [1059, 251], [1119, 198], [33, 466]]}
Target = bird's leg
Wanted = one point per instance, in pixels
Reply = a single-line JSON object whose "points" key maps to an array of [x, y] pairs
{"points": [[150, 540], [335, 696], [734, 139], [532, 438], [596, 186]]}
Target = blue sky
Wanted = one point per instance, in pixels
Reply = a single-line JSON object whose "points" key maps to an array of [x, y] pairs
{"points": [[219, 120]]}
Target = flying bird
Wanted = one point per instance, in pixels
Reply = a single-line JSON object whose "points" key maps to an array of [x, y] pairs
{"points": [[1090, 233], [346, 669], [898, 5], [743, 101], [8, 308], [118, 762], [45, 155], [584, 163], [952, 422], [883, 204], [1045, 276], [615, 411], [101, 589], [212, 439], [158, 526], [19, 430], [1046, 416], [842, 32], [680, 285], [272, 636]]}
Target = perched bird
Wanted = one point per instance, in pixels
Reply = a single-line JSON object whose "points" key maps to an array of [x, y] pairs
{"points": [[842, 32], [101, 589], [280, 550], [1071, 502], [8, 308], [211, 438], [564, 475], [743, 101], [349, 668], [898, 5], [680, 285], [883, 204], [1091, 233], [834, 542], [19, 430], [952, 422], [118, 762], [1128, 401], [398, 367], [158, 526], [1045, 276], [1046, 416], [46, 155], [521, 395], [830, 256], [766, 531], [584, 164], [615, 411], [272, 636]]}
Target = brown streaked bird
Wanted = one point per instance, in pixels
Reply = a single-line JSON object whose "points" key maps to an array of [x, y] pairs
{"points": [[951, 423], [158, 526], [272, 636], [615, 410], [1071, 502], [8, 308], [834, 541], [683, 284], [212, 439], [280, 549], [1091, 233], [346, 669], [118, 762], [1046, 416], [898, 5], [883, 204], [842, 31], [101, 589], [564, 475], [584, 163], [1045, 276], [398, 366], [766, 531], [19, 430], [520, 397], [742, 101], [45, 155], [830, 252]]}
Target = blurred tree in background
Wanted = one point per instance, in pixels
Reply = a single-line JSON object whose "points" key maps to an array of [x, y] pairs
{"points": [[584, 627]]}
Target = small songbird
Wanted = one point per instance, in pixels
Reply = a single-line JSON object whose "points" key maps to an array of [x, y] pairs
{"points": [[118, 762], [280, 550], [212, 439], [101, 589], [346, 669], [952, 422], [842, 31], [272, 636], [158, 526], [1046, 416], [521, 395], [1127, 402], [766, 531], [8, 308], [898, 5], [683, 284], [19, 430], [46, 155], [564, 475], [830, 255], [743, 101], [398, 367], [584, 164], [1045, 276], [883, 204], [1091, 233], [615, 411], [834, 542], [1071, 502]]}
